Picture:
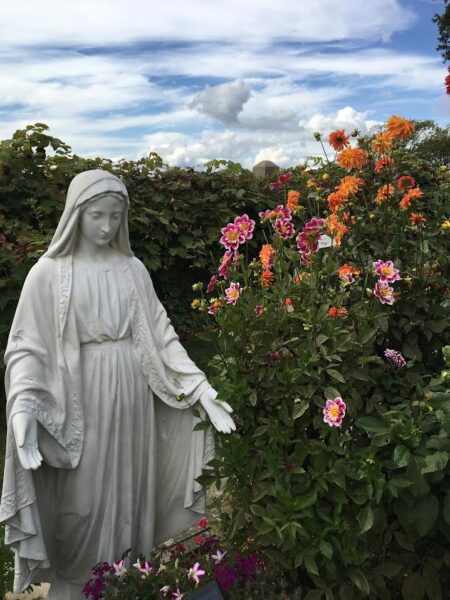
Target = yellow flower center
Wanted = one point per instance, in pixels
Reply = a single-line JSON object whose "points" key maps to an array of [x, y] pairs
{"points": [[232, 235], [334, 412]]}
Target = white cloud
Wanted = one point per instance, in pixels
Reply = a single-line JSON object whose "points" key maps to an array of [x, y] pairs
{"points": [[223, 102], [100, 22], [345, 118]]}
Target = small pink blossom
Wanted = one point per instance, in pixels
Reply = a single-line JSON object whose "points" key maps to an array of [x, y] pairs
{"points": [[395, 358], [195, 573], [285, 228], [218, 556], [177, 595], [259, 310], [211, 284], [386, 271], [232, 236], [145, 568], [233, 292], [275, 185], [334, 412], [225, 263], [246, 225], [119, 568], [384, 292], [308, 238], [164, 590]]}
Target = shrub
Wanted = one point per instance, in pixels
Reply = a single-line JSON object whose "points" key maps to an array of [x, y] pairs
{"points": [[338, 471]]}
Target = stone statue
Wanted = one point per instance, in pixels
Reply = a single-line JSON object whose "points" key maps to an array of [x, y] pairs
{"points": [[101, 454]]}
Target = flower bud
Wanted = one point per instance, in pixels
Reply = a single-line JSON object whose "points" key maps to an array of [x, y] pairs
{"points": [[317, 135]]}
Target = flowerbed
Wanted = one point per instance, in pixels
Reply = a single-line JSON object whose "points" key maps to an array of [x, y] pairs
{"points": [[338, 471]]}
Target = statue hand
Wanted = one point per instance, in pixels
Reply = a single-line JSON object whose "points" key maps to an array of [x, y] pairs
{"points": [[25, 432], [218, 411]]}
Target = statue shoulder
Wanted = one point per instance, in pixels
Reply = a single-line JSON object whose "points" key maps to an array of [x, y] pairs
{"points": [[44, 272]]}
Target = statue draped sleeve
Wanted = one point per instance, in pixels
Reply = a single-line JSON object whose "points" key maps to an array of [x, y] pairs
{"points": [[43, 377]]}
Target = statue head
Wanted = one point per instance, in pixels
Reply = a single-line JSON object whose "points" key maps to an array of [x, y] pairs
{"points": [[95, 188]]}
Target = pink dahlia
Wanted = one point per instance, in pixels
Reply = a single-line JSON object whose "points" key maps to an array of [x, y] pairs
{"points": [[334, 412], [386, 271], [285, 228], [280, 212], [384, 292], [211, 284], [225, 263], [246, 225], [232, 236], [308, 238], [233, 292]]}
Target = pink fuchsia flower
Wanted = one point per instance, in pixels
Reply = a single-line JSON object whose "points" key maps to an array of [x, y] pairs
{"points": [[285, 228], [211, 284], [233, 292], [384, 292], [334, 412], [218, 556], [246, 225], [145, 568], [232, 236], [259, 310], [119, 568], [177, 595], [395, 358], [195, 573], [280, 212], [386, 271], [225, 263], [203, 523]]}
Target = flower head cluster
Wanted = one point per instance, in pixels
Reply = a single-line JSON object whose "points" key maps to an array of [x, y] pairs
{"points": [[195, 573], [348, 186], [382, 143], [383, 163], [283, 179], [336, 228], [266, 278], [417, 220], [334, 412], [285, 228], [214, 305], [308, 238], [337, 312], [292, 200], [384, 193], [387, 274], [225, 264], [238, 232], [395, 358], [348, 273], [280, 212], [405, 183]]}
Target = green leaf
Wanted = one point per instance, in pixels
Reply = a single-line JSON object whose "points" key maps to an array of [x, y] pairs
{"points": [[326, 548], [257, 510], [311, 565], [372, 425], [446, 508], [359, 579], [366, 518], [331, 393], [402, 456], [306, 500], [435, 462], [420, 517], [321, 339], [413, 587], [314, 595], [336, 375], [346, 592], [300, 409]]}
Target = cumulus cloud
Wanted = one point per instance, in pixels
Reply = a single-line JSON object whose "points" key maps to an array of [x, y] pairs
{"points": [[223, 102], [345, 118]]}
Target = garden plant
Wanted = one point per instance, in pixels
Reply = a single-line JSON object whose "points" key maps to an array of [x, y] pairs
{"points": [[331, 338]]}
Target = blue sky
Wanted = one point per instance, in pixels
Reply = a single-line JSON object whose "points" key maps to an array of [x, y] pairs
{"points": [[200, 79]]}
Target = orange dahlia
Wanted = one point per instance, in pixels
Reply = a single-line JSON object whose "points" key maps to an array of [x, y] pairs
{"points": [[336, 228], [338, 140], [381, 143], [417, 219], [405, 182], [292, 200], [266, 256], [405, 202], [399, 127], [383, 162], [352, 158], [336, 201], [266, 278], [384, 193], [337, 312], [350, 185]]}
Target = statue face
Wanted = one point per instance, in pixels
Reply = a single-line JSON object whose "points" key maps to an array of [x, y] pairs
{"points": [[100, 220]]}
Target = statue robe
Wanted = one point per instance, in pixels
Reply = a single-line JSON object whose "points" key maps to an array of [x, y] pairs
{"points": [[44, 377]]}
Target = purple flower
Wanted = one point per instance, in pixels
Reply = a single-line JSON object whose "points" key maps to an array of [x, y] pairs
{"points": [[395, 358]]}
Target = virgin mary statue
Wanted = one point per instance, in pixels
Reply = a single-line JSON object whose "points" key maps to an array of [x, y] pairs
{"points": [[101, 454]]}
